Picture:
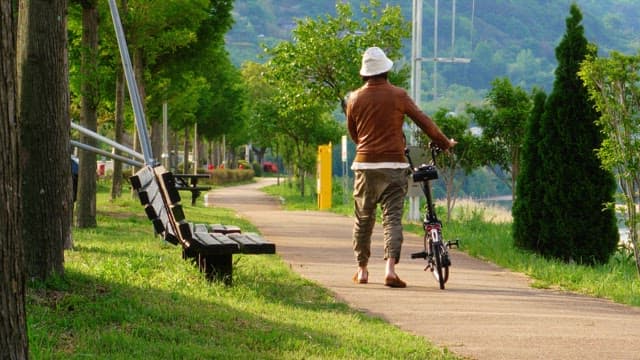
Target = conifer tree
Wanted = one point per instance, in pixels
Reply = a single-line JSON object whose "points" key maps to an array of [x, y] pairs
{"points": [[528, 205], [575, 223]]}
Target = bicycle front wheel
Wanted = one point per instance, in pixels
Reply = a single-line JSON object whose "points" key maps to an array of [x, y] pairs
{"points": [[441, 271]]}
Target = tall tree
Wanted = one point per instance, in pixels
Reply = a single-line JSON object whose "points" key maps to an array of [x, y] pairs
{"points": [[158, 31], [528, 205], [261, 109], [90, 97], [93, 56], [314, 72], [614, 85], [13, 328], [576, 224], [119, 115], [326, 53], [188, 78], [502, 121], [453, 166], [304, 124], [43, 107]]}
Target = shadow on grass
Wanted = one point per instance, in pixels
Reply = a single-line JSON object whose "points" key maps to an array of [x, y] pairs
{"points": [[125, 297], [86, 316]]}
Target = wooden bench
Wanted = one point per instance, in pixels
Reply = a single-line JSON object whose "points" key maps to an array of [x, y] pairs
{"points": [[210, 247], [189, 182]]}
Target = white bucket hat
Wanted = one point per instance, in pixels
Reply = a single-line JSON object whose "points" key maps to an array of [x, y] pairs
{"points": [[374, 62]]}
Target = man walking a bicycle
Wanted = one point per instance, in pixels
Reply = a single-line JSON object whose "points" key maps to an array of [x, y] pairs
{"points": [[375, 117]]}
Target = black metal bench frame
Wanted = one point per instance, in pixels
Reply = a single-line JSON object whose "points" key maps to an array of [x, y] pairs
{"points": [[211, 247]]}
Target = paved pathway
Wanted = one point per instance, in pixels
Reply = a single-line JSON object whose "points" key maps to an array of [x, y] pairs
{"points": [[486, 312]]}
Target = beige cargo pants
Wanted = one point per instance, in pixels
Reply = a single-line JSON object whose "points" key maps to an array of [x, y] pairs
{"points": [[387, 187]]}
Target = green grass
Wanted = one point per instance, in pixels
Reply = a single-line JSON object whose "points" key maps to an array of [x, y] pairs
{"points": [[292, 199], [617, 280], [128, 295]]}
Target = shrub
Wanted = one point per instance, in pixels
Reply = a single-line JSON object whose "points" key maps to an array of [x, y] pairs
{"points": [[228, 176], [257, 169], [244, 164]]}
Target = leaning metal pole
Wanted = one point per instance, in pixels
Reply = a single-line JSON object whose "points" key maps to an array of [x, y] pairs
{"points": [[132, 85], [106, 140], [98, 151]]}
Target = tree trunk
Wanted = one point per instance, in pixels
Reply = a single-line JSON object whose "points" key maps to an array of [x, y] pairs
{"points": [[630, 189], [13, 328], [515, 171], [259, 153], [185, 149], [449, 181], [116, 184], [86, 200], [138, 70], [196, 149], [156, 138], [43, 108]]}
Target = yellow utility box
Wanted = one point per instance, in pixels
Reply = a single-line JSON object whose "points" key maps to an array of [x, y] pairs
{"points": [[324, 176]]}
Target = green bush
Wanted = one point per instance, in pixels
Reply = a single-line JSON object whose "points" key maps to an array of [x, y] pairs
{"points": [[229, 176], [257, 168]]}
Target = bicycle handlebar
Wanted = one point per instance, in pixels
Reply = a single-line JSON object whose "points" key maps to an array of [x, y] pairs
{"points": [[425, 172], [435, 150]]}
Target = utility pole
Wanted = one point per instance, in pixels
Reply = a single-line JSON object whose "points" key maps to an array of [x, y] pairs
{"points": [[416, 77], [437, 59]]}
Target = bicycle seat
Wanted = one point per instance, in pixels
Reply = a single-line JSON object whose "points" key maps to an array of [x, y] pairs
{"points": [[425, 172]]}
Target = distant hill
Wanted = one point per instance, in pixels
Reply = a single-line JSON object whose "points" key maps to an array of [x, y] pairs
{"points": [[514, 38]]}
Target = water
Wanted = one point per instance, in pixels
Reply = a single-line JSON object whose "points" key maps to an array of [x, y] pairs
{"points": [[506, 203], [503, 201]]}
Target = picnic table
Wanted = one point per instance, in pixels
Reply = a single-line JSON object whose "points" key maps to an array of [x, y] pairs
{"points": [[189, 182]]}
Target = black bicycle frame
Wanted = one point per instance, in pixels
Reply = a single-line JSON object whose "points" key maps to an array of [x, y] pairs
{"points": [[424, 174]]}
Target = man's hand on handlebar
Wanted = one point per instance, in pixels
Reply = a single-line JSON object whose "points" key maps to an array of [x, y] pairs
{"points": [[437, 148], [452, 143]]}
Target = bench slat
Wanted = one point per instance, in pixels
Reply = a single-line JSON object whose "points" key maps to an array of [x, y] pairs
{"points": [[215, 244], [199, 228], [178, 213], [216, 239], [224, 229], [170, 236], [185, 232], [173, 196], [150, 197], [156, 212], [142, 178], [251, 243], [147, 193], [174, 215], [158, 225]]}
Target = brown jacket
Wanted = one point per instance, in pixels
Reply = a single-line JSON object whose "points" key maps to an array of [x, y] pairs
{"points": [[375, 115]]}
